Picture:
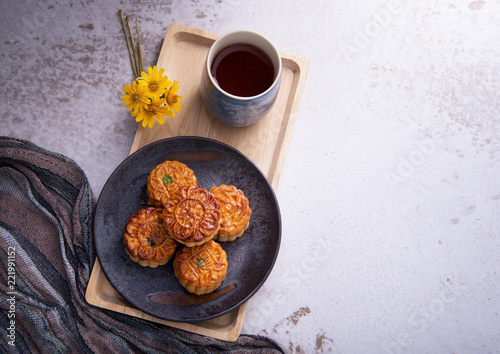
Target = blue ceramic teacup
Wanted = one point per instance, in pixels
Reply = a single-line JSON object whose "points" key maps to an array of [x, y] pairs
{"points": [[232, 109]]}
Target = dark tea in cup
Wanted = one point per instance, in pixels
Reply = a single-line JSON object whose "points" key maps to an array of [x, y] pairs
{"points": [[243, 70]]}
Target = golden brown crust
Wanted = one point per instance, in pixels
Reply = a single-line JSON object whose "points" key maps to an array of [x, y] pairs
{"points": [[146, 240], [160, 188], [192, 216], [236, 212], [200, 269]]}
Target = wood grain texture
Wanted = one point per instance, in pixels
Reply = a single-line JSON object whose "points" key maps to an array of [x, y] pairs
{"points": [[183, 56]]}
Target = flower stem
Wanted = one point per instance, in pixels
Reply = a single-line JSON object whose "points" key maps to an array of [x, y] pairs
{"points": [[129, 46], [139, 52], [136, 65]]}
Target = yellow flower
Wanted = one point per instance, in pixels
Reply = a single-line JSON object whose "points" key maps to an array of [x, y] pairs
{"points": [[154, 82], [151, 111], [172, 100], [152, 97], [135, 96]]}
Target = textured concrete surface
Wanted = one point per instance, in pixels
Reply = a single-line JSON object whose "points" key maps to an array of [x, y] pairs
{"points": [[390, 193]]}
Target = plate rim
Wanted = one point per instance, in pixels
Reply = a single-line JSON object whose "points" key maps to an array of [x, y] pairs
{"points": [[279, 228]]}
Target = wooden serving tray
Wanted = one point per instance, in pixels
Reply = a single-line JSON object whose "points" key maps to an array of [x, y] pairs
{"points": [[183, 56]]}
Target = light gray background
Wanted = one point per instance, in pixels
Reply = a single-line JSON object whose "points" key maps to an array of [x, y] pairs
{"points": [[390, 192]]}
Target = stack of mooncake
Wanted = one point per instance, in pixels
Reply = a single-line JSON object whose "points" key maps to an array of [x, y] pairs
{"points": [[183, 222]]}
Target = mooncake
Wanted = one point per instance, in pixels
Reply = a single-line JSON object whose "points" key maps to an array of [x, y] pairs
{"points": [[146, 239], [166, 179], [200, 269], [192, 216], [235, 212]]}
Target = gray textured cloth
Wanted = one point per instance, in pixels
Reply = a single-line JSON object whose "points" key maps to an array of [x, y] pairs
{"points": [[46, 252]]}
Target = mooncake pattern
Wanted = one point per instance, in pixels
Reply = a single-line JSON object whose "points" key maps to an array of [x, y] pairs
{"points": [[235, 211], [192, 216], [166, 179], [146, 239], [201, 269]]}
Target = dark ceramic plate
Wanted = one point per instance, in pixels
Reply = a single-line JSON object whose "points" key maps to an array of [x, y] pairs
{"points": [[156, 291]]}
